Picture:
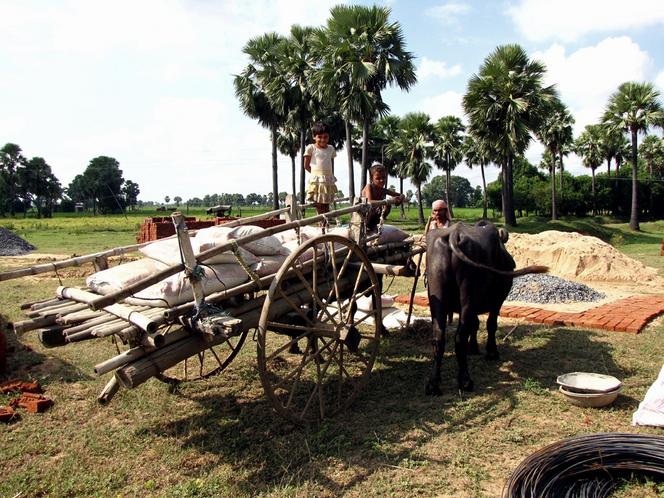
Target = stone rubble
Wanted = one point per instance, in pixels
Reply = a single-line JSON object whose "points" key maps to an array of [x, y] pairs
{"points": [[13, 245], [549, 289]]}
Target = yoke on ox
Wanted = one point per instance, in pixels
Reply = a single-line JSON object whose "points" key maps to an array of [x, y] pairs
{"points": [[469, 272]]}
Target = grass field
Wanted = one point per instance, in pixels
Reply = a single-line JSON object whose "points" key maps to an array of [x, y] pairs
{"points": [[220, 437]]}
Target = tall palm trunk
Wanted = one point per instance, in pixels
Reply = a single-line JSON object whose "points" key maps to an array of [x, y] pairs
{"points": [[365, 151], [608, 167], [510, 217], [302, 172], [562, 171], [275, 180], [554, 207], [484, 203], [448, 182], [403, 210], [634, 216], [592, 170], [419, 203], [294, 175], [349, 152]]}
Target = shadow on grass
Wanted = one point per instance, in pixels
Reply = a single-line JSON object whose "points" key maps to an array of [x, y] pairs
{"points": [[392, 417], [25, 363]]}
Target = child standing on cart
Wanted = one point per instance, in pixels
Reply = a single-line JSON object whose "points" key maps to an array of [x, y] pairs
{"points": [[376, 191], [318, 158]]}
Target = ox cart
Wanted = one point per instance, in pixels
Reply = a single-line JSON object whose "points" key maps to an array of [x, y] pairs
{"points": [[316, 320]]}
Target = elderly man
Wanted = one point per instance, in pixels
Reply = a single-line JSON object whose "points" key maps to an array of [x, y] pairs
{"points": [[440, 214]]}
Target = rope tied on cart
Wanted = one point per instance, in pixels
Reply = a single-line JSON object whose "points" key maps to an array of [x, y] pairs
{"points": [[235, 249]]}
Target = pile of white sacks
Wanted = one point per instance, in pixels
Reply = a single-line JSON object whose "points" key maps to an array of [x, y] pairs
{"points": [[263, 256]]}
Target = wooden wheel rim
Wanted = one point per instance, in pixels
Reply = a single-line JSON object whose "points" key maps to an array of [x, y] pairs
{"points": [[327, 376]]}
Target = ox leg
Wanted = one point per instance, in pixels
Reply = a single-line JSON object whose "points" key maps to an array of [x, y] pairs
{"points": [[473, 347], [491, 327], [467, 323], [438, 317]]}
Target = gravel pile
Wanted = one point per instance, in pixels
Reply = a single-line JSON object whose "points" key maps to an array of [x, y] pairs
{"points": [[547, 289], [13, 245]]}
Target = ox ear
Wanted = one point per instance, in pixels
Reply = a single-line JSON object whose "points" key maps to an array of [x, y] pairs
{"points": [[503, 234]]}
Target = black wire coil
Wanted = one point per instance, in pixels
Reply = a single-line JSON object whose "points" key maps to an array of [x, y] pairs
{"points": [[587, 466]]}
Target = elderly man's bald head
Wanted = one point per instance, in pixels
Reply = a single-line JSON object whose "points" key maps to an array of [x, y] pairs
{"points": [[439, 204]]}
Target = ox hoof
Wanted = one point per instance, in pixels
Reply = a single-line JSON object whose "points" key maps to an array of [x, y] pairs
{"points": [[294, 349], [492, 355], [466, 385], [432, 389]]}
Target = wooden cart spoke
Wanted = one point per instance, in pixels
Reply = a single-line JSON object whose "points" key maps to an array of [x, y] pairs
{"points": [[329, 376], [287, 345]]}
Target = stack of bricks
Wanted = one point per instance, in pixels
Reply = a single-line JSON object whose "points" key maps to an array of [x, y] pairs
{"points": [[630, 314], [159, 227]]}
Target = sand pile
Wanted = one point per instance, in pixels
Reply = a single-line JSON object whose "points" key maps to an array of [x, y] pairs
{"points": [[579, 257]]}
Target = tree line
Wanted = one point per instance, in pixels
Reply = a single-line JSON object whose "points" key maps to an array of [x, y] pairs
{"points": [[337, 73], [27, 183]]}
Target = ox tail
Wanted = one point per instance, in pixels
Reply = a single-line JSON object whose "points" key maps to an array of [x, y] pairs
{"points": [[454, 237]]}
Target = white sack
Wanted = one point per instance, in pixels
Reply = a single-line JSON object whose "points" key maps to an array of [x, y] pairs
{"points": [[176, 289], [651, 409], [268, 245], [269, 265], [118, 277]]}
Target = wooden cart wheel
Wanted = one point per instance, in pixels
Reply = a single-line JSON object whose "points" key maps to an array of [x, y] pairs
{"points": [[209, 362], [314, 351]]}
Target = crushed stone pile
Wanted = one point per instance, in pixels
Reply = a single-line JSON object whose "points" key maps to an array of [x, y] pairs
{"points": [[13, 245], [571, 255], [547, 289]]}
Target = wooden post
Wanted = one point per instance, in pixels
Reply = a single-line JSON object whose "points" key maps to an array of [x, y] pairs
{"points": [[191, 268]]}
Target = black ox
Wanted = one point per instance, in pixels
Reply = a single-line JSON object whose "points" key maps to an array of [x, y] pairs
{"points": [[469, 272]]}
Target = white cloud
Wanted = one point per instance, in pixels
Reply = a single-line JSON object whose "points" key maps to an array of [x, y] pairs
{"points": [[659, 81], [569, 20], [587, 77], [448, 13], [148, 82], [439, 69], [444, 104]]}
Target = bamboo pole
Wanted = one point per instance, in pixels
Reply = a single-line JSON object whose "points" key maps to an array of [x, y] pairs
{"points": [[79, 316], [104, 318], [138, 352], [38, 323], [110, 389], [114, 297], [51, 310], [35, 305], [123, 311], [135, 373]]}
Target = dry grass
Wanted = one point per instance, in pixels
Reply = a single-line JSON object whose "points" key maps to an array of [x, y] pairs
{"points": [[220, 437]]}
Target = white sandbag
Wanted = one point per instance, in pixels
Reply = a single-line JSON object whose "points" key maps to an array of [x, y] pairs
{"points": [[269, 265], [268, 245], [365, 303], [293, 245], [167, 251], [651, 409], [391, 233], [176, 289], [118, 277], [344, 231], [286, 235]]}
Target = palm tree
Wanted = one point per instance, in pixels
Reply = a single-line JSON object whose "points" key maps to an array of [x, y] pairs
{"points": [[260, 90], [387, 129], [448, 149], [477, 152], [555, 132], [288, 143], [504, 102], [11, 161], [297, 60], [634, 108], [612, 142], [413, 144], [589, 146], [652, 152], [363, 53]]}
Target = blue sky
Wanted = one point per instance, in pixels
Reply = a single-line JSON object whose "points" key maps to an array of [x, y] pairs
{"points": [[150, 82]]}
